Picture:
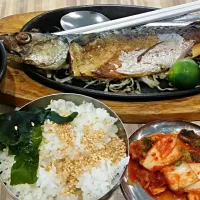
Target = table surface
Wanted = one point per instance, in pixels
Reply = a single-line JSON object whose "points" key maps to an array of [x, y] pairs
{"points": [[10, 7]]}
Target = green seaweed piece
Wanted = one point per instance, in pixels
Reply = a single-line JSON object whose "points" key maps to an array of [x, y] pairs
{"points": [[2, 146], [21, 132], [25, 168], [55, 117]]}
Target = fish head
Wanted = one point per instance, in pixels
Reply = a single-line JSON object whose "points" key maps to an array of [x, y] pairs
{"points": [[44, 51], [16, 43]]}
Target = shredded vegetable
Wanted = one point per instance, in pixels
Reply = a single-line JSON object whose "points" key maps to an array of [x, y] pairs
{"points": [[128, 85], [165, 89], [63, 80], [150, 81]]}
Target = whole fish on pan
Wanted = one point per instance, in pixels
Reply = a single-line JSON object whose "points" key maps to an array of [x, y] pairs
{"points": [[109, 55], [133, 53]]}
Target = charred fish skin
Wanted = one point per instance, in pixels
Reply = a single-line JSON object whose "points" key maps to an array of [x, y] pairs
{"points": [[45, 51], [132, 52], [140, 32]]}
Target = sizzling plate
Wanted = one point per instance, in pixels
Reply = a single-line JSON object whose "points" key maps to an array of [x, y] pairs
{"points": [[137, 192], [3, 62], [46, 22]]}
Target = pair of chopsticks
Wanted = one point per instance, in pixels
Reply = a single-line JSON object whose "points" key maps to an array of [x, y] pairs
{"points": [[136, 20]]}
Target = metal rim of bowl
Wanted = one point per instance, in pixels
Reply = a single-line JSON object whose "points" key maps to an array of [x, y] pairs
{"points": [[110, 192], [158, 122], [3, 61]]}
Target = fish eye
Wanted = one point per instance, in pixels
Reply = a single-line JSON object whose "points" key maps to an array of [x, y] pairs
{"points": [[23, 38]]}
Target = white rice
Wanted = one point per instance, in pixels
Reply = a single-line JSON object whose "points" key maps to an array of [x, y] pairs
{"points": [[93, 183]]}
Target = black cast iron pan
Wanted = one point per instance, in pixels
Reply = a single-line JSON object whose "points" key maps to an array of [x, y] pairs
{"points": [[48, 21]]}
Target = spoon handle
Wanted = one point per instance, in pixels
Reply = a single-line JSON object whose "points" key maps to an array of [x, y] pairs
{"points": [[136, 20]]}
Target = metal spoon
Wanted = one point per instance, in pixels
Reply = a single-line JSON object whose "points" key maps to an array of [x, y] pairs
{"points": [[81, 18]]}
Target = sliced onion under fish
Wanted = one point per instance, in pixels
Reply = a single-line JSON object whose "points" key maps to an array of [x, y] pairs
{"points": [[165, 89], [150, 81], [63, 80], [49, 74], [138, 88], [94, 82]]}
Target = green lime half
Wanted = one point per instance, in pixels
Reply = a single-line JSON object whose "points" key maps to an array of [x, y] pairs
{"points": [[184, 74]]}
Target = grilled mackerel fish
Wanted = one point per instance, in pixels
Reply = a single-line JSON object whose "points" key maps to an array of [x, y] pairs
{"points": [[45, 51], [109, 55], [133, 52]]}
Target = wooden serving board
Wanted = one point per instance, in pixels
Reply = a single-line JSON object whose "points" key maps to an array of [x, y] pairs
{"points": [[19, 89]]}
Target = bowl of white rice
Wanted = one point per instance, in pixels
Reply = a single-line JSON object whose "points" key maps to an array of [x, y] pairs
{"points": [[84, 159]]}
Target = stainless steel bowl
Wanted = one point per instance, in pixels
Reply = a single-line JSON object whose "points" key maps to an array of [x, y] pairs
{"points": [[78, 99], [136, 192]]}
